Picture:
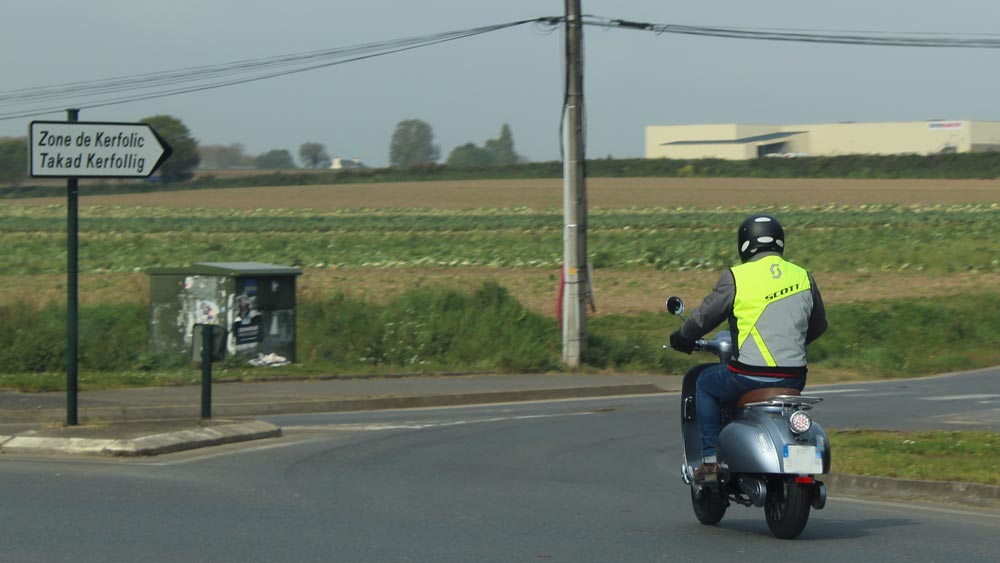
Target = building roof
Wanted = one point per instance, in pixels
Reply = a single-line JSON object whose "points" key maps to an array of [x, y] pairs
{"points": [[754, 139], [231, 269]]}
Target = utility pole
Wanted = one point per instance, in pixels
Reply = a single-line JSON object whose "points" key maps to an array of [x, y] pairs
{"points": [[575, 271]]}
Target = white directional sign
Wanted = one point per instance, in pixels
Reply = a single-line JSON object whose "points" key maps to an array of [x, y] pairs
{"points": [[65, 149]]}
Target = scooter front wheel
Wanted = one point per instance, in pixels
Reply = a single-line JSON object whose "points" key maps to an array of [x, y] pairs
{"points": [[787, 507], [709, 504]]}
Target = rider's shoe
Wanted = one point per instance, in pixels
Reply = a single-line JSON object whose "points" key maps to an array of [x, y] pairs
{"points": [[706, 472]]}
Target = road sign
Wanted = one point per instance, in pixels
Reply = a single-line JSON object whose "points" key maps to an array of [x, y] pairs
{"points": [[63, 149]]}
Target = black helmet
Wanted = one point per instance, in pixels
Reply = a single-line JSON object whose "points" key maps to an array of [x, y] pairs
{"points": [[760, 233]]}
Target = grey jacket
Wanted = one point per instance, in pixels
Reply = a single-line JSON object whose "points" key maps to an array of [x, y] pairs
{"points": [[717, 307]]}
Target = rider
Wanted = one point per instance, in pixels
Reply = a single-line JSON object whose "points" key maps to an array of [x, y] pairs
{"points": [[774, 310]]}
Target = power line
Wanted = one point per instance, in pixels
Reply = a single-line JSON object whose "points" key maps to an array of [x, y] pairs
{"points": [[42, 100], [95, 93], [870, 38]]}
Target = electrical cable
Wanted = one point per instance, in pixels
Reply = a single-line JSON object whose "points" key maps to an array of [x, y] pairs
{"points": [[169, 83], [125, 89], [870, 38]]}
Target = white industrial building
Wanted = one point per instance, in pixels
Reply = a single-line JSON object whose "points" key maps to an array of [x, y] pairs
{"points": [[738, 141], [343, 164]]}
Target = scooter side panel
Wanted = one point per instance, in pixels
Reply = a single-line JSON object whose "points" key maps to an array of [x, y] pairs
{"points": [[745, 446], [819, 438], [782, 436], [755, 444], [690, 429]]}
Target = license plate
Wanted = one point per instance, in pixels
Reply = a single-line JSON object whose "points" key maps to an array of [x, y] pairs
{"points": [[803, 459]]}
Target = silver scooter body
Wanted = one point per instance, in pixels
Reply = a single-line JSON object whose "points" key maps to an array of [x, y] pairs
{"points": [[757, 438], [763, 461]]}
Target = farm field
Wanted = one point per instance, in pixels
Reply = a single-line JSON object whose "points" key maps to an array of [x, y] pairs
{"points": [[865, 239], [547, 194], [617, 292], [420, 276]]}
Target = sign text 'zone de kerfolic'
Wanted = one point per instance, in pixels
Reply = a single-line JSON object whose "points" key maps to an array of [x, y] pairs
{"points": [[64, 149]]}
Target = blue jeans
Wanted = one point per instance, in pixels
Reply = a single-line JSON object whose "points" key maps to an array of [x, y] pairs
{"points": [[718, 387]]}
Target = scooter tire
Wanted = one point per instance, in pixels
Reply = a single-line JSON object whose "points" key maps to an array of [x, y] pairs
{"points": [[709, 505], [786, 508]]}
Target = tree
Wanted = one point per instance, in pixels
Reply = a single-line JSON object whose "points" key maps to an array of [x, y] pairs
{"points": [[469, 156], [275, 160], [181, 164], [313, 155], [502, 148], [412, 144], [220, 157], [13, 161]]}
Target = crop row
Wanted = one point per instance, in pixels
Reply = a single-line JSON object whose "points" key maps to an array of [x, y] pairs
{"points": [[15, 218], [941, 239]]}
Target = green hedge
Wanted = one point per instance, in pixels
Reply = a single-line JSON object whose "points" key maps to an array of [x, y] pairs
{"points": [[111, 337], [422, 330], [428, 329], [951, 166], [890, 338], [433, 330]]}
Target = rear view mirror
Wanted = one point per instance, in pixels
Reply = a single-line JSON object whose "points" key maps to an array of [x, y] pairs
{"points": [[675, 306]]}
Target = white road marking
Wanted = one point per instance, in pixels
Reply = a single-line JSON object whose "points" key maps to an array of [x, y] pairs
{"points": [[925, 506], [961, 397], [358, 427], [228, 452], [377, 427]]}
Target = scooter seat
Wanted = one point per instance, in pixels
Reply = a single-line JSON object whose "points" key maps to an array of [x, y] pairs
{"points": [[766, 394]]}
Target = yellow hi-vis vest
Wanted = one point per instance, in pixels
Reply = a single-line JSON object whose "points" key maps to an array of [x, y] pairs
{"points": [[772, 306]]}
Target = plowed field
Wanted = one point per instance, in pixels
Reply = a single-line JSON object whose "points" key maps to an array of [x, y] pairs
{"points": [[617, 290], [545, 194]]}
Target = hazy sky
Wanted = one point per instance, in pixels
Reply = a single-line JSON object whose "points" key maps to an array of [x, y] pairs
{"points": [[467, 89]]}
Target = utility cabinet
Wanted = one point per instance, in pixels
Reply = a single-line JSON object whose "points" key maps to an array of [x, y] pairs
{"points": [[251, 306]]}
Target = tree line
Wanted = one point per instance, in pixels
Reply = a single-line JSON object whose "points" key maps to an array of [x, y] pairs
{"points": [[221, 157], [412, 144], [414, 154]]}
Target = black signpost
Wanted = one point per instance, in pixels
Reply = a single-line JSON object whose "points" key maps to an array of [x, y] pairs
{"points": [[72, 149], [206, 371]]}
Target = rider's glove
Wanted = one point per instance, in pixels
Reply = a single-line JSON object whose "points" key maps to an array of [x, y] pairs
{"points": [[680, 343]]}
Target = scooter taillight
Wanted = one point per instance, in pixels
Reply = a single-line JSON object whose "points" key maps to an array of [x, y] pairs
{"points": [[799, 422]]}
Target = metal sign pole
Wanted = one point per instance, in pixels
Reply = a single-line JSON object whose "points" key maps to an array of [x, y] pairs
{"points": [[206, 371], [71, 149], [72, 245]]}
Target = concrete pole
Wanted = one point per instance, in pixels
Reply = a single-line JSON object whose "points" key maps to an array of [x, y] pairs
{"points": [[575, 272]]}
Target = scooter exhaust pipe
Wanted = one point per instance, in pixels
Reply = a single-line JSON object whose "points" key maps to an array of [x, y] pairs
{"points": [[755, 488], [818, 497]]}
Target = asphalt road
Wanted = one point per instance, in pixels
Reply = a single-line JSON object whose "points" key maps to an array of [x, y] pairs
{"points": [[967, 401], [583, 480]]}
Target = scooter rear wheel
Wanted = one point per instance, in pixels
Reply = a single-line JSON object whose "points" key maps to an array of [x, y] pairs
{"points": [[787, 507], [709, 504]]}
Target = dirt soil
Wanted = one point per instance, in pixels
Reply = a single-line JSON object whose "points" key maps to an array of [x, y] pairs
{"points": [[548, 194], [616, 291]]}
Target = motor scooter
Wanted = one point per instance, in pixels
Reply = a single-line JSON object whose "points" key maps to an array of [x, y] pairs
{"points": [[769, 452]]}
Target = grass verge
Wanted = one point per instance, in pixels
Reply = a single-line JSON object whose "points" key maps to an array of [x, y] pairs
{"points": [[870, 340], [434, 329], [963, 456]]}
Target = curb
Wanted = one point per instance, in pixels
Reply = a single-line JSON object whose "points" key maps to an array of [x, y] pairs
{"points": [[973, 495], [447, 400], [151, 445]]}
